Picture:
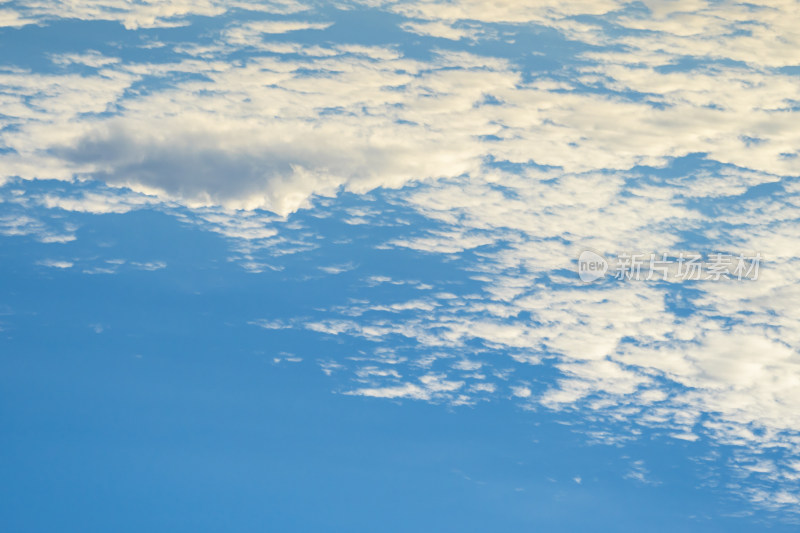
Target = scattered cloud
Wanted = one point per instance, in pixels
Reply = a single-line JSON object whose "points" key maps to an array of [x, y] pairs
{"points": [[54, 263]]}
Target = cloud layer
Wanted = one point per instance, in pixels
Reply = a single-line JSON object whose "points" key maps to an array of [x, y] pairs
{"points": [[658, 126]]}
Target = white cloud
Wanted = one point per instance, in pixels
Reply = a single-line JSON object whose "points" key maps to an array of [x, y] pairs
{"points": [[143, 14], [521, 392], [91, 58], [727, 372], [97, 203], [149, 265], [10, 18], [640, 473], [407, 390], [441, 29], [337, 269], [24, 225], [55, 263], [365, 116], [250, 33]]}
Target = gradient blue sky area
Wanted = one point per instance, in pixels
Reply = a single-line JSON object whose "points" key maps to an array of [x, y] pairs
{"points": [[306, 266]]}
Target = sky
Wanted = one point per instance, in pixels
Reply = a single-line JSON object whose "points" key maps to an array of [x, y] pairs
{"points": [[372, 265]]}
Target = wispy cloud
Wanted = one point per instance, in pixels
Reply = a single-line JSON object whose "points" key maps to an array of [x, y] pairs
{"points": [[55, 263]]}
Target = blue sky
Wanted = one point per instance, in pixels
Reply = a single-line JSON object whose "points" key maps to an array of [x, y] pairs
{"points": [[292, 266]]}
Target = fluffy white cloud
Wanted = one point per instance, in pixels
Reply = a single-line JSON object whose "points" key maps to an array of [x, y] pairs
{"points": [[279, 135], [140, 14]]}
